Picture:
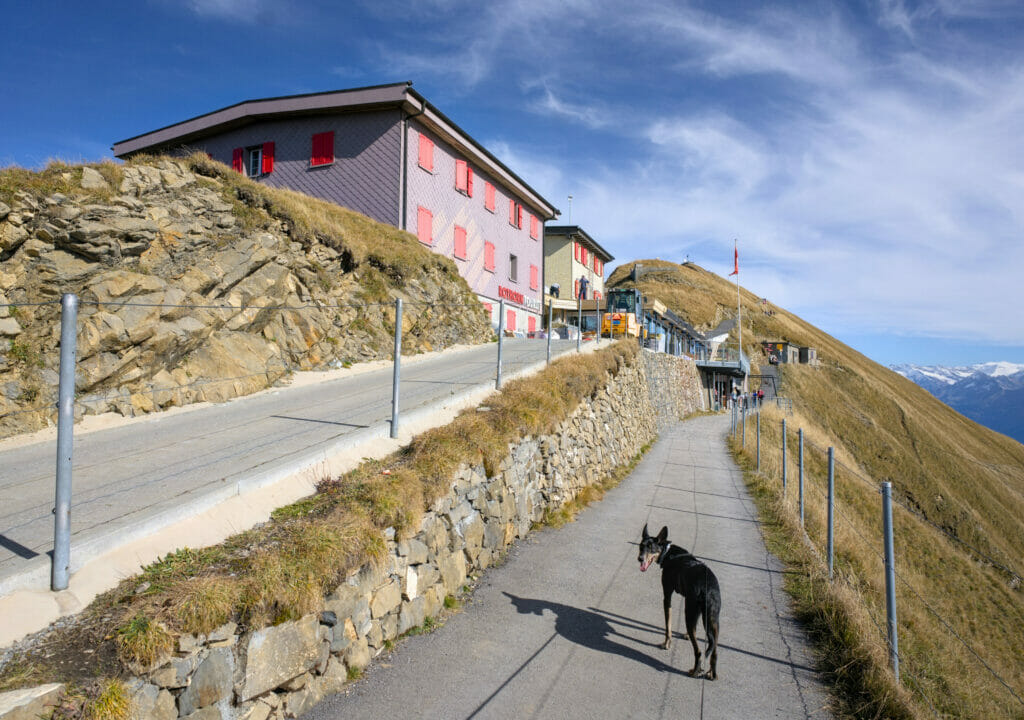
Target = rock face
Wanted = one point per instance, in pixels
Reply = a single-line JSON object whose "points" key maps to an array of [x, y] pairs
{"points": [[193, 288], [29, 703]]}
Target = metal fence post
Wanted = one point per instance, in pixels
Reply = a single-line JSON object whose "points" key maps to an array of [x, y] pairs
{"points": [[551, 309], [800, 465], [759, 441], [890, 580], [597, 315], [579, 322], [783, 457], [65, 440], [397, 375], [743, 442], [830, 546], [501, 340]]}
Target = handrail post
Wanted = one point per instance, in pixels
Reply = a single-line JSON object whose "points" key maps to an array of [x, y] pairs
{"points": [[59, 570], [579, 322], [551, 308], [831, 509], [759, 441], [501, 340], [743, 442], [397, 374], [890, 580], [800, 464], [783, 457]]}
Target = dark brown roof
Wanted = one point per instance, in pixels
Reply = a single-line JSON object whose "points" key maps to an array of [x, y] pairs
{"points": [[575, 231]]}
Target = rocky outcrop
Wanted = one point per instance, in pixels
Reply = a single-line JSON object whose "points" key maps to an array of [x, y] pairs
{"points": [[194, 287]]}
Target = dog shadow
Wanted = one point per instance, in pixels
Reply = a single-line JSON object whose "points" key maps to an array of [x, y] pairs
{"points": [[589, 629]]}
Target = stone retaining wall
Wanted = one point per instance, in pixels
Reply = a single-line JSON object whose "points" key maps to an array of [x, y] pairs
{"points": [[283, 671]]}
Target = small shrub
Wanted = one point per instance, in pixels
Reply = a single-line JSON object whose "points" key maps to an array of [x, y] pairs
{"points": [[143, 640]]}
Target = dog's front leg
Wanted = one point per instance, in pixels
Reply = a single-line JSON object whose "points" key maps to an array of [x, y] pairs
{"points": [[668, 621]]}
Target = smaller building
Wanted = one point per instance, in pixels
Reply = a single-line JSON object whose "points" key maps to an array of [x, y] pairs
{"points": [[574, 271], [808, 356], [781, 352]]}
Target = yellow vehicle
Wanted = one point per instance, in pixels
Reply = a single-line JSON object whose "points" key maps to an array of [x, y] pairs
{"points": [[623, 314]]}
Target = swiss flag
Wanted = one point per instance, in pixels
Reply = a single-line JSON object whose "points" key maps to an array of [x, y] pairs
{"points": [[736, 261]]}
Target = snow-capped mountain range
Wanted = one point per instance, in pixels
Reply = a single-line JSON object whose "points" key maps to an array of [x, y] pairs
{"points": [[990, 393]]}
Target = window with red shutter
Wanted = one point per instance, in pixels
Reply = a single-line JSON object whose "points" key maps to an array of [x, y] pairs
{"points": [[531, 323], [237, 164], [460, 175], [510, 320], [489, 257], [511, 211], [268, 158], [583, 256], [469, 181], [425, 226], [460, 242], [534, 273], [533, 227], [489, 196], [323, 149], [576, 251], [519, 216], [426, 157]]}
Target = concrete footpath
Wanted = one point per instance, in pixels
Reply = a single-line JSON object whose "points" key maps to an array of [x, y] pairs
{"points": [[568, 627], [193, 478]]}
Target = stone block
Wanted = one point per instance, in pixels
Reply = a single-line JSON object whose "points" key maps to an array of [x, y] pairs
{"points": [[386, 599], [299, 703], [414, 551], [357, 655], [334, 677], [452, 567], [210, 683], [277, 654], [410, 583], [254, 710], [150, 702], [176, 672], [213, 712], [389, 627], [29, 703], [347, 601], [411, 615]]}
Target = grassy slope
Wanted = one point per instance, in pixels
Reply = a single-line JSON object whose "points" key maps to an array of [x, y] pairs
{"points": [[959, 475]]}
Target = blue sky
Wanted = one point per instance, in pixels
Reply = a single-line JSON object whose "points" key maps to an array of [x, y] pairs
{"points": [[868, 157]]}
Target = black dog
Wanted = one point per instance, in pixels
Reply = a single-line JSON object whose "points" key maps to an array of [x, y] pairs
{"points": [[681, 572]]}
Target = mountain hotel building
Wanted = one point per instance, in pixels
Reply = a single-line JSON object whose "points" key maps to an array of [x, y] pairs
{"points": [[386, 152]]}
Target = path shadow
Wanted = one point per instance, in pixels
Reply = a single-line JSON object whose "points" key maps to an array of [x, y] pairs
{"points": [[321, 422], [591, 630], [17, 548]]}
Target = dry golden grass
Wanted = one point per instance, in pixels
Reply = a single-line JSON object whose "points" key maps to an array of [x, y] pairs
{"points": [[958, 475]]}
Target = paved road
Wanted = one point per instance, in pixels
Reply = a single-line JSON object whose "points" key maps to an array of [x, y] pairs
{"points": [[569, 627], [123, 476]]}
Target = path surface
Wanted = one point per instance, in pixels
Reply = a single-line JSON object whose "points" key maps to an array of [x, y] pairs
{"points": [[128, 475], [568, 627]]}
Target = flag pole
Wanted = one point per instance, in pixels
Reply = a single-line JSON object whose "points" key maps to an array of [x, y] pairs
{"points": [[739, 310]]}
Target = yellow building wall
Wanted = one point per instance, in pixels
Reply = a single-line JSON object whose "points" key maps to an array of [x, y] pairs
{"points": [[560, 266]]}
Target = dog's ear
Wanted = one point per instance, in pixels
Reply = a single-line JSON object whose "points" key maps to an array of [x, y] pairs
{"points": [[646, 534], [663, 535]]}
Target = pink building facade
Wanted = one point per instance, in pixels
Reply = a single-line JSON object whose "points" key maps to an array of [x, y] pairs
{"points": [[386, 152]]}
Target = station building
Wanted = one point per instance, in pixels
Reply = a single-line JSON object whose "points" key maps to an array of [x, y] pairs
{"points": [[386, 152]]}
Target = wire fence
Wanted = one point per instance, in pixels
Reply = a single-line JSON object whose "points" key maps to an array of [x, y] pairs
{"points": [[850, 519]]}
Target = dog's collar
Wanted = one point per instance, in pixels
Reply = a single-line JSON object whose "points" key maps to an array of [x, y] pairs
{"points": [[661, 555]]}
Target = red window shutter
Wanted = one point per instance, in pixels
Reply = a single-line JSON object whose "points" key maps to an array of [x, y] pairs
{"points": [[460, 242], [469, 181], [576, 251], [531, 323], [583, 256], [425, 226], [534, 282], [426, 153], [236, 160], [489, 256], [511, 211], [575, 289], [510, 320], [268, 158], [489, 307], [323, 149], [489, 196], [519, 215], [533, 226]]}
